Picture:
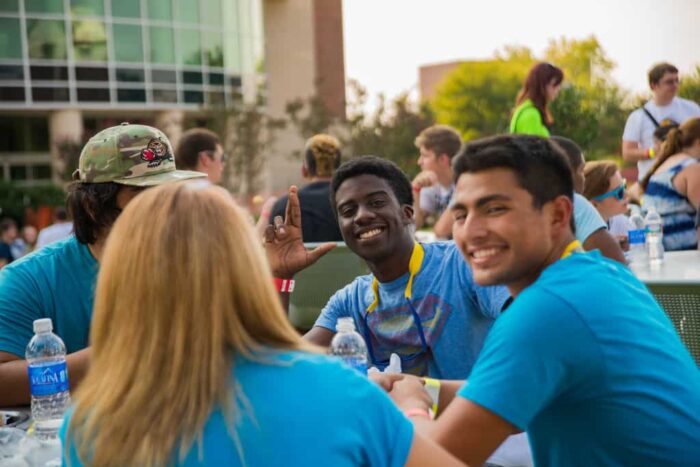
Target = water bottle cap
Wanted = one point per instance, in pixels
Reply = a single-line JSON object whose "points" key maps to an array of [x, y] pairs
{"points": [[345, 325], [43, 325]]}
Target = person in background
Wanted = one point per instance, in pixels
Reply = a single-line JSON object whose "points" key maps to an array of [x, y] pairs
{"points": [[584, 359], [58, 281], [8, 234], [433, 186], [200, 150], [672, 186], [26, 242], [531, 115], [605, 189], [61, 228], [321, 158], [664, 108], [590, 228], [635, 192], [208, 337]]}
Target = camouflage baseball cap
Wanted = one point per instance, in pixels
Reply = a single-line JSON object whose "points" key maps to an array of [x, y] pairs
{"points": [[136, 155]]}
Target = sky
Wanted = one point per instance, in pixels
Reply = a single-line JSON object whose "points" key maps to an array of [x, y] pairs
{"points": [[387, 40]]}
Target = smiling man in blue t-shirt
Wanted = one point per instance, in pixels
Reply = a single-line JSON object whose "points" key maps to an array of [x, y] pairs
{"points": [[584, 359]]}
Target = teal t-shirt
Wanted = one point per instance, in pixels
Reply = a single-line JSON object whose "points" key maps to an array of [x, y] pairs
{"points": [[527, 120], [591, 367], [57, 282], [303, 410]]}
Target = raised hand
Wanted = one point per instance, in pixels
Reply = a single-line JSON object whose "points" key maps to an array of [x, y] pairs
{"points": [[284, 243]]}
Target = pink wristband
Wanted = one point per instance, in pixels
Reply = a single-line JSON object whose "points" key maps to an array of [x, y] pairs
{"points": [[416, 412]]}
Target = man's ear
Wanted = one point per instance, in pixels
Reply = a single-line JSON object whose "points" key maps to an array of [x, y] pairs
{"points": [[407, 210], [444, 159], [203, 159], [304, 171], [561, 211]]}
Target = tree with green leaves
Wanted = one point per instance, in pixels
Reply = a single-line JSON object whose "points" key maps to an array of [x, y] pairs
{"points": [[690, 85]]}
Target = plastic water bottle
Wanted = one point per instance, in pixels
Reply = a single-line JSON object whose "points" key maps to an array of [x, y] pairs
{"points": [[48, 379], [349, 345], [637, 239], [655, 237]]}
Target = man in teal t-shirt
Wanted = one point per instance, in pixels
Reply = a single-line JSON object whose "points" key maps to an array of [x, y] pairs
{"points": [[58, 281], [584, 359]]}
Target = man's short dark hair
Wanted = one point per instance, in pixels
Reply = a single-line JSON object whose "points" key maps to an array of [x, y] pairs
{"points": [[571, 150], [441, 139], [93, 207], [372, 165], [60, 214], [539, 166], [191, 143], [659, 70]]}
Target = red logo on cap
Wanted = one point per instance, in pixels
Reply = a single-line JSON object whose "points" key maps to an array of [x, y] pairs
{"points": [[155, 153]]}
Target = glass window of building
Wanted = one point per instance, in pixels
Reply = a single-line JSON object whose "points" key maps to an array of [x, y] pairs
{"points": [[214, 49], [127, 42], [43, 6], [47, 39], [11, 72], [188, 11], [190, 47], [211, 13], [89, 40], [87, 7], [126, 9], [232, 51], [11, 6], [162, 45], [10, 47], [160, 10]]}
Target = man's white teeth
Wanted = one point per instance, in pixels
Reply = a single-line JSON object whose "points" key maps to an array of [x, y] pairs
{"points": [[370, 233], [484, 253]]}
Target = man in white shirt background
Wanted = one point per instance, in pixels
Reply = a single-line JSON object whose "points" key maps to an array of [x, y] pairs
{"points": [[663, 108], [60, 229]]}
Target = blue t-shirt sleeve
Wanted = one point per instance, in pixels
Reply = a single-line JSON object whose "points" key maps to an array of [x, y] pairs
{"points": [[539, 350], [337, 307], [73, 460], [586, 217], [19, 307]]}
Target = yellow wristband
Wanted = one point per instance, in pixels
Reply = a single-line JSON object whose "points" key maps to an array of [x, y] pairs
{"points": [[432, 386], [651, 153]]}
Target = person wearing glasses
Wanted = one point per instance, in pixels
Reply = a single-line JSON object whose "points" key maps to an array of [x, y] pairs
{"points": [[664, 107], [672, 186], [420, 300], [200, 150], [606, 190]]}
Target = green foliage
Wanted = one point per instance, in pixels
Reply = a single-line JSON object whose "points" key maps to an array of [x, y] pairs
{"points": [[15, 198], [477, 97], [690, 86]]}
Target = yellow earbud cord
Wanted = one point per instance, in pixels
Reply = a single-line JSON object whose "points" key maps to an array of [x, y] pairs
{"points": [[414, 265]]}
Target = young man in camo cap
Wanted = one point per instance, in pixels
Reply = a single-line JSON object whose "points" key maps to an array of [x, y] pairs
{"points": [[58, 281]]}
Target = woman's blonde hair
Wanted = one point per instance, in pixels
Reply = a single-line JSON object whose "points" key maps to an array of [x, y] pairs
{"points": [[183, 287], [678, 139], [597, 175]]}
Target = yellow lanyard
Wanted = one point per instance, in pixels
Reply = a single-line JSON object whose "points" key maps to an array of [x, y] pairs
{"points": [[414, 265], [573, 247]]}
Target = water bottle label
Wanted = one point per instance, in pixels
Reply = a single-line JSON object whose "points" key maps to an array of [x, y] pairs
{"points": [[46, 379], [636, 236], [359, 364]]}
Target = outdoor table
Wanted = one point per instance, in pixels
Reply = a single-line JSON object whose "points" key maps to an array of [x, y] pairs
{"points": [[675, 284], [25, 412]]}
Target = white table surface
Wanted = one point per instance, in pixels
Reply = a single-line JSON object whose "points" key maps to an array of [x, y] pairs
{"points": [[678, 267]]}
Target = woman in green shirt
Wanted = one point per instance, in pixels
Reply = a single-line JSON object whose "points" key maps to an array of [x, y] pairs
{"points": [[531, 115]]}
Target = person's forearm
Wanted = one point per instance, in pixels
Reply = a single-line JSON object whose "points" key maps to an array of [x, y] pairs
{"points": [[418, 215], [443, 227], [448, 391], [14, 379], [635, 154]]}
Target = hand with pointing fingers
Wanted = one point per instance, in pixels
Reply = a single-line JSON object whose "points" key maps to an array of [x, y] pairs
{"points": [[284, 244]]}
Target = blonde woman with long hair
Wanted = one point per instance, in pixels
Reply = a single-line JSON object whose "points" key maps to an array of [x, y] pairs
{"points": [[194, 362]]}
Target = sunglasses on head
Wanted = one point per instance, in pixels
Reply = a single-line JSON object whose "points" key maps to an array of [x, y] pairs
{"points": [[618, 193]]}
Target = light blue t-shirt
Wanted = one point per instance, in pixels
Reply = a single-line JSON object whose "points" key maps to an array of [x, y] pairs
{"points": [[586, 217], [304, 410], [57, 282], [455, 314], [588, 363]]}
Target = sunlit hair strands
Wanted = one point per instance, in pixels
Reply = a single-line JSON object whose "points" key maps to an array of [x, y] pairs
{"points": [[183, 287]]}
